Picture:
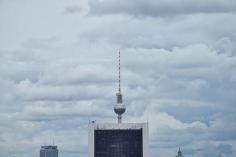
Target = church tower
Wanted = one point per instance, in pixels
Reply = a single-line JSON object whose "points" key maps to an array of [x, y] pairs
{"points": [[179, 153]]}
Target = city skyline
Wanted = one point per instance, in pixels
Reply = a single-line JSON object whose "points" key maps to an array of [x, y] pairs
{"points": [[58, 72]]}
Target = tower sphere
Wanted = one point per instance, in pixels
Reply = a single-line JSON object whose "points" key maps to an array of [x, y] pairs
{"points": [[119, 109]]}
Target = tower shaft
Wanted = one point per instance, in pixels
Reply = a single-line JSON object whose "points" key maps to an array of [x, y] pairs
{"points": [[119, 118]]}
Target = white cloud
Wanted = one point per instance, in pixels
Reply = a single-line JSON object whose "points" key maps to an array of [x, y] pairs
{"points": [[58, 70]]}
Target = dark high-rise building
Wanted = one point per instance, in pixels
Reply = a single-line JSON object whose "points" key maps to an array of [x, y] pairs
{"points": [[118, 139], [49, 151], [118, 143]]}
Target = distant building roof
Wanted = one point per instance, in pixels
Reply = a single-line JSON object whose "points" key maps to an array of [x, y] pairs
{"points": [[49, 147]]}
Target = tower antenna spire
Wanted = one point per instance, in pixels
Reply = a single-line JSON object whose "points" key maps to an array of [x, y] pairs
{"points": [[119, 75], [119, 108]]}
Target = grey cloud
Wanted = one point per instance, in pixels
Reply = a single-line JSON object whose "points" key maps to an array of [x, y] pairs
{"points": [[225, 45], [218, 151], [42, 111], [72, 9], [209, 149], [160, 7], [225, 148], [59, 72], [154, 95], [83, 74], [218, 126], [163, 33], [61, 93]]}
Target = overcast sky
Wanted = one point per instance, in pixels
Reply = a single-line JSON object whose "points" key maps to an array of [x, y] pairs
{"points": [[58, 70]]}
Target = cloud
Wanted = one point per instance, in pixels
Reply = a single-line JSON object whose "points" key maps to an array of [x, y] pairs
{"points": [[161, 33], [72, 9], [175, 83], [163, 96], [59, 72], [220, 150], [160, 7]]}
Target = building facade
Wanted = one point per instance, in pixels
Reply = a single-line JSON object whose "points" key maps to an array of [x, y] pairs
{"points": [[118, 140], [49, 151]]}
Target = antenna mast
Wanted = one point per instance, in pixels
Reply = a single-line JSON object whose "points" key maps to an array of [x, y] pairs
{"points": [[119, 74]]}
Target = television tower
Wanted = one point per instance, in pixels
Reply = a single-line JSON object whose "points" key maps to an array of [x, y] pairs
{"points": [[119, 108], [118, 139]]}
